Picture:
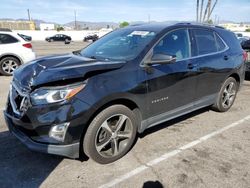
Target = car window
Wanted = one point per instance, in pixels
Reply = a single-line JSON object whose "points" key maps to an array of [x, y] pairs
{"points": [[219, 43], [124, 44], [7, 39], [205, 41], [175, 43]]}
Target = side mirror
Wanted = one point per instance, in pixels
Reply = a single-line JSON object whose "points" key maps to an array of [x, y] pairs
{"points": [[162, 59]]}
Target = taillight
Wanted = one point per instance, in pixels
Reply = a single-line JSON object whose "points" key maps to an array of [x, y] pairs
{"points": [[245, 56], [27, 45]]}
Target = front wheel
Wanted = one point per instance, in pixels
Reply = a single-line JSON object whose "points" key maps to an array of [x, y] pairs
{"points": [[110, 135], [226, 95]]}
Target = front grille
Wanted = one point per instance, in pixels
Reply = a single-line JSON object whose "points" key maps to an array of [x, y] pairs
{"points": [[19, 100]]}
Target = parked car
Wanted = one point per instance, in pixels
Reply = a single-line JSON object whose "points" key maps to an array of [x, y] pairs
{"points": [[239, 35], [96, 100], [245, 44], [14, 51], [92, 37], [25, 37], [59, 37], [242, 39]]}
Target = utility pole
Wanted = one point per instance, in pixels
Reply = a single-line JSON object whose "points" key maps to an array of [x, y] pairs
{"points": [[197, 10], [28, 10], [215, 19], [148, 18], [201, 10], [75, 20]]}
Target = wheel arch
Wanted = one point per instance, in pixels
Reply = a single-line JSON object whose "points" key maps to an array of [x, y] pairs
{"points": [[100, 107], [11, 55], [236, 77]]}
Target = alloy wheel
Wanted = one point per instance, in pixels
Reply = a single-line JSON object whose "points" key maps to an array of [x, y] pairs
{"points": [[229, 94], [113, 135]]}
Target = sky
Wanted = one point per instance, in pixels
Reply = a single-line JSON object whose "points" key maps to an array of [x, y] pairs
{"points": [[62, 11]]}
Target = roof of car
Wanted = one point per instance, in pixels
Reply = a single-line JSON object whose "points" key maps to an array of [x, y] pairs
{"points": [[159, 26], [13, 34]]}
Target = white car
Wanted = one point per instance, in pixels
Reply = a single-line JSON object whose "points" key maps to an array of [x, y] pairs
{"points": [[14, 51]]}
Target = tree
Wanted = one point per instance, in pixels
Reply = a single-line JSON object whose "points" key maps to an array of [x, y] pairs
{"points": [[206, 16], [207, 10], [124, 24], [210, 12], [59, 28], [201, 11], [197, 10]]}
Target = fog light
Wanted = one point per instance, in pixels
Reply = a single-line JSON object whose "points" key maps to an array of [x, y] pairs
{"points": [[58, 132]]}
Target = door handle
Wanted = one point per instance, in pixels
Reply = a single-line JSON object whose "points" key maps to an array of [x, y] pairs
{"points": [[226, 57], [192, 66]]}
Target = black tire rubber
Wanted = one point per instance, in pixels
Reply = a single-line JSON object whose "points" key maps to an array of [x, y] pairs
{"points": [[67, 41], [8, 58], [218, 107], [89, 138]]}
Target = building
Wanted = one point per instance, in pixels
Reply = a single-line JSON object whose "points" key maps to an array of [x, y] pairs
{"points": [[236, 27], [17, 25], [47, 26]]}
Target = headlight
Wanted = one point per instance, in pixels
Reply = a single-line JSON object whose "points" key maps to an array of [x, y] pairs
{"points": [[49, 95]]}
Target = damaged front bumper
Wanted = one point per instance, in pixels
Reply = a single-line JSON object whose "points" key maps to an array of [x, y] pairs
{"points": [[33, 127]]}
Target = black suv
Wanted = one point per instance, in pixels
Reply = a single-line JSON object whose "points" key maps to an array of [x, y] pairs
{"points": [[96, 100], [93, 37]]}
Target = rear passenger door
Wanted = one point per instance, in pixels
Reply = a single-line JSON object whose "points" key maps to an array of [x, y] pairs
{"points": [[211, 56]]}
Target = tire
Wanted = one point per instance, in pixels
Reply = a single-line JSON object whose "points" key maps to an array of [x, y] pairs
{"points": [[114, 126], [226, 95], [67, 41], [8, 65]]}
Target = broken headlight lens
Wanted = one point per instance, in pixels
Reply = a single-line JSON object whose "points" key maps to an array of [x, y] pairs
{"points": [[48, 95]]}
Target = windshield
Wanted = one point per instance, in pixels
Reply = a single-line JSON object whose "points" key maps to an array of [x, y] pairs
{"points": [[124, 44]]}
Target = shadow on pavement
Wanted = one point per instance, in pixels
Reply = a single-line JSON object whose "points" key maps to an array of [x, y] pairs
{"points": [[20, 167], [247, 76], [152, 184]]}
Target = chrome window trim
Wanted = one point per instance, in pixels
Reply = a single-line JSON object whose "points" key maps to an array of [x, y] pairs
{"points": [[142, 64]]}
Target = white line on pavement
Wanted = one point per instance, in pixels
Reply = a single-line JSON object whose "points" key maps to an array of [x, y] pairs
{"points": [[171, 154]]}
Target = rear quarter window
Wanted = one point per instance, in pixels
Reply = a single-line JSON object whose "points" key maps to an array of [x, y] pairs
{"points": [[7, 39], [219, 43], [205, 41], [231, 40]]}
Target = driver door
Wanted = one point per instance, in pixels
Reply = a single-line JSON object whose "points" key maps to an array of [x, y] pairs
{"points": [[171, 86]]}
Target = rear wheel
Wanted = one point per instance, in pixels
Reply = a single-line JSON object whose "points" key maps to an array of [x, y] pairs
{"points": [[226, 96], [8, 65], [67, 41], [110, 135]]}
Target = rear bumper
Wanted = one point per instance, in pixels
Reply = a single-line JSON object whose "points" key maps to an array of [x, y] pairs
{"points": [[30, 56], [71, 150]]}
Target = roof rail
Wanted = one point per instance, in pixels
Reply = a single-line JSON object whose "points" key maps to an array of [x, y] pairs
{"points": [[201, 24]]}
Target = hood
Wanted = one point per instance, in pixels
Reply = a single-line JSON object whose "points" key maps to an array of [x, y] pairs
{"points": [[55, 68]]}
